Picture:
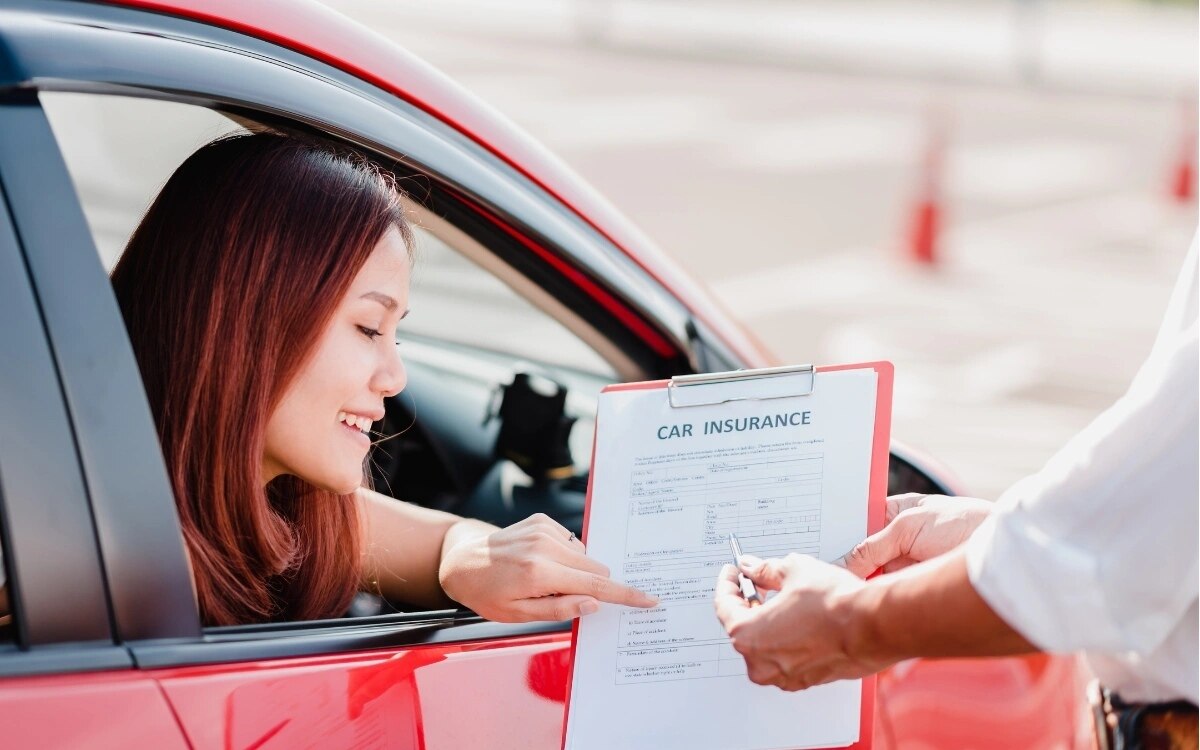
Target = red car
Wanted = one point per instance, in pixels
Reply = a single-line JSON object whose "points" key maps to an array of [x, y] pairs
{"points": [[525, 270]]}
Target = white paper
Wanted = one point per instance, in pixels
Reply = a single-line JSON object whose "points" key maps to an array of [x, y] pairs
{"points": [[784, 474]]}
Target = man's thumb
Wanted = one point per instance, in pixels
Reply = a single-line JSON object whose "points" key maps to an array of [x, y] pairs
{"points": [[767, 574], [874, 552]]}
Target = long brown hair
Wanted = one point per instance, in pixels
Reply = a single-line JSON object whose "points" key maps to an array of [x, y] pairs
{"points": [[227, 283]]}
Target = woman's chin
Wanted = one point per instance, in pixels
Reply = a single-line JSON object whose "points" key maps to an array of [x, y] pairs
{"points": [[348, 488], [345, 484], [340, 474]]}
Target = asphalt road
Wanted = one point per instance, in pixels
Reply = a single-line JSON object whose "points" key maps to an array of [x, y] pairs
{"points": [[789, 192]]}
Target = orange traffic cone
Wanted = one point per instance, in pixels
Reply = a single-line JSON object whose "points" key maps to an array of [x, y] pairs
{"points": [[926, 222], [1183, 175], [923, 237]]}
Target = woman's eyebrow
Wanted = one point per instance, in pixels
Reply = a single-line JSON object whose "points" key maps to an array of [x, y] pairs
{"points": [[383, 299]]}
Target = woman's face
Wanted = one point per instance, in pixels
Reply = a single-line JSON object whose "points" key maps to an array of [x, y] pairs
{"points": [[318, 431]]}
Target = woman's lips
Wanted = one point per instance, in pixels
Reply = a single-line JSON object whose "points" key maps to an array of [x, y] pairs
{"points": [[356, 433]]}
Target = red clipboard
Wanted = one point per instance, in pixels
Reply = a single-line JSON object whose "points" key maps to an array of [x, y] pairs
{"points": [[876, 508]]}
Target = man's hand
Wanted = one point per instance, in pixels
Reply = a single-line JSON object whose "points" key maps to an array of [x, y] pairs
{"points": [[918, 528], [797, 638], [532, 570]]}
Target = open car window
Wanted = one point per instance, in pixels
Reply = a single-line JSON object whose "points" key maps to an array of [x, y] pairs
{"points": [[476, 322]]}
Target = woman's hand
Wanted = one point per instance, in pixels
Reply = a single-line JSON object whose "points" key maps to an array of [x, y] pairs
{"points": [[918, 527], [532, 570]]}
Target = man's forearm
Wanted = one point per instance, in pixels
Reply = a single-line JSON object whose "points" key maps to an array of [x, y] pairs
{"points": [[928, 610]]}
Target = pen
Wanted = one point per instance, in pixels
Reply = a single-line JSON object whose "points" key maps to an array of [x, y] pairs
{"points": [[749, 593]]}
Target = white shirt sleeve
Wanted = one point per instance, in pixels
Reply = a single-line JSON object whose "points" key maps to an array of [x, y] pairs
{"points": [[1098, 550]]}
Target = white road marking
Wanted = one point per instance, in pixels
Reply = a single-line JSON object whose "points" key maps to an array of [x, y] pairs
{"points": [[822, 142], [577, 123], [1031, 171]]}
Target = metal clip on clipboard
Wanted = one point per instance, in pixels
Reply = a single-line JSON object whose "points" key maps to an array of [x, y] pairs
{"points": [[741, 385]]}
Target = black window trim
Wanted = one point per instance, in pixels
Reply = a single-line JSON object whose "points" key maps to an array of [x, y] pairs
{"points": [[51, 557], [240, 643], [146, 570]]}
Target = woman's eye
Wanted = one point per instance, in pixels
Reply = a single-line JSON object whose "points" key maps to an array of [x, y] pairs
{"points": [[370, 333]]}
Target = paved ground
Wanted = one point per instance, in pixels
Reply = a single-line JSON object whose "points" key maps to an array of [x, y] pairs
{"points": [[787, 189]]}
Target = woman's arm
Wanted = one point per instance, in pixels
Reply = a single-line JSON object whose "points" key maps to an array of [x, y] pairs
{"points": [[403, 546], [532, 570]]}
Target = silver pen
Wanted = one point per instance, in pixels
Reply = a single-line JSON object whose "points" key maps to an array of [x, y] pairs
{"points": [[749, 592]]}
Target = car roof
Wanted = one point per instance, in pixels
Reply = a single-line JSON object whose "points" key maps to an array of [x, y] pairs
{"points": [[315, 30]]}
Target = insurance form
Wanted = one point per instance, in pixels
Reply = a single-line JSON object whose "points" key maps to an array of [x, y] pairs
{"points": [[669, 483]]}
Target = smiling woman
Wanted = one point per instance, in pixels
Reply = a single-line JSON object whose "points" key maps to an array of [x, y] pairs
{"points": [[354, 366], [245, 254], [262, 292]]}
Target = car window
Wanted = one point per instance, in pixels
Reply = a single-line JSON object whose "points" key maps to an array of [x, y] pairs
{"points": [[475, 321]]}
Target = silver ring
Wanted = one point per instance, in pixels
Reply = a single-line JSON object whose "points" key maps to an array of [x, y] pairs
{"points": [[571, 538]]}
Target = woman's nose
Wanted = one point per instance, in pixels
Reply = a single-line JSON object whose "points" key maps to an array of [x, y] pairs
{"points": [[391, 377]]}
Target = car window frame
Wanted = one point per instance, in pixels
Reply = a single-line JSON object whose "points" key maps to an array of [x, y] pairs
{"points": [[147, 574], [57, 593], [64, 58]]}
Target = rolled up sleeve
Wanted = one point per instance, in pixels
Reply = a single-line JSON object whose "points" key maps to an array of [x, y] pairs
{"points": [[1098, 550]]}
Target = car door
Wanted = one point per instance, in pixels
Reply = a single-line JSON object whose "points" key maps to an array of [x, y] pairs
{"points": [[415, 679]]}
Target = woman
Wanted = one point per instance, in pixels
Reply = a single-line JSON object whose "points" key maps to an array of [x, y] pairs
{"points": [[262, 292]]}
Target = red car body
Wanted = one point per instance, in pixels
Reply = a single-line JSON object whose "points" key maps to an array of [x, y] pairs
{"points": [[491, 692]]}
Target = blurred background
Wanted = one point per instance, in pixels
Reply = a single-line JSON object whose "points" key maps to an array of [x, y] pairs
{"points": [[996, 195]]}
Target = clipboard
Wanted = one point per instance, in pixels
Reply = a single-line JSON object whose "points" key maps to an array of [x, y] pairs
{"points": [[688, 391]]}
